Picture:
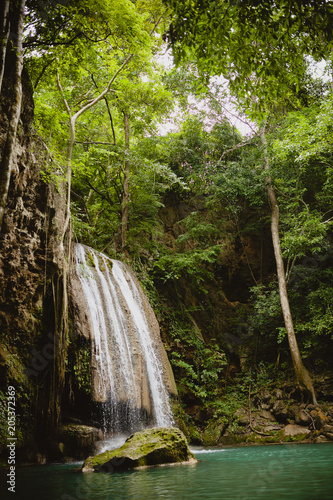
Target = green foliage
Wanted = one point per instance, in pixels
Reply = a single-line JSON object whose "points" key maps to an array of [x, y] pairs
{"points": [[191, 265], [310, 294], [198, 367], [251, 44], [84, 28], [82, 370], [204, 165]]}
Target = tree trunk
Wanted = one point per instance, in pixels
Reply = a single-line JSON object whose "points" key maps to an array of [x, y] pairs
{"points": [[72, 120], [4, 35], [15, 49], [125, 204], [302, 375]]}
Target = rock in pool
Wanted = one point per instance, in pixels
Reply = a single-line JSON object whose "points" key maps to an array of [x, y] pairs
{"points": [[151, 447]]}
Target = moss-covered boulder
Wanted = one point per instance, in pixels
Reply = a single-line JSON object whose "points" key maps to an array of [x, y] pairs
{"points": [[78, 440], [213, 432], [159, 445]]}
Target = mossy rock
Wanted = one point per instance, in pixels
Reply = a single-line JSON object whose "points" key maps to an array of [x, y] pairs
{"points": [[78, 440], [193, 434], [213, 432], [156, 446]]}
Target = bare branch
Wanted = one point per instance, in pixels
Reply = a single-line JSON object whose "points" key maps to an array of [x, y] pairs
{"points": [[95, 142], [237, 146], [105, 91], [63, 96], [109, 112]]}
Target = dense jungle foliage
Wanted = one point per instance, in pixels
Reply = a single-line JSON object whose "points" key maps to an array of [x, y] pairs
{"points": [[205, 163], [167, 173]]}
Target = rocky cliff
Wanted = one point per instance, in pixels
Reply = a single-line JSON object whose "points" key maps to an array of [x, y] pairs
{"points": [[30, 267]]}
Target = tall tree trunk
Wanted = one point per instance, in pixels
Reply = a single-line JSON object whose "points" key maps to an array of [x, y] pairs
{"points": [[125, 204], [4, 35], [302, 376], [15, 48], [72, 120]]}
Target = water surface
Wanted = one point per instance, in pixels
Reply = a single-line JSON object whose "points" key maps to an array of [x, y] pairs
{"points": [[279, 472]]}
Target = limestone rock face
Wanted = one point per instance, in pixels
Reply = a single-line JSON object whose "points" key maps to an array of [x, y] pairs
{"points": [[78, 440], [303, 418], [31, 269], [34, 214], [213, 432], [156, 446], [295, 430]]}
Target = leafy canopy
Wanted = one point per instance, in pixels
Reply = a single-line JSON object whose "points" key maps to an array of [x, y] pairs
{"points": [[258, 46]]}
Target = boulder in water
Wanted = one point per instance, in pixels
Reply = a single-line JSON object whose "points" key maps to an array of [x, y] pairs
{"points": [[79, 440], [151, 447]]}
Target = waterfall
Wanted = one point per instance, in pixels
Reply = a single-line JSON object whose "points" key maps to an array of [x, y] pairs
{"points": [[129, 363]]}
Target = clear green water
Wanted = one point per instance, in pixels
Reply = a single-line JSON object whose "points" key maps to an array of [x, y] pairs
{"points": [[294, 471]]}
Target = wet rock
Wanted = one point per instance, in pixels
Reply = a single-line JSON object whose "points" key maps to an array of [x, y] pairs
{"points": [[265, 406], [280, 412], [265, 396], [244, 421], [295, 430], [319, 418], [271, 428], [267, 415], [303, 418], [293, 410], [327, 429], [320, 439], [278, 394], [213, 432], [242, 417], [159, 445], [78, 440]]}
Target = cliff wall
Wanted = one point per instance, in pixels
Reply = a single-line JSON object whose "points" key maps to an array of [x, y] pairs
{"points": [[30, 265]]}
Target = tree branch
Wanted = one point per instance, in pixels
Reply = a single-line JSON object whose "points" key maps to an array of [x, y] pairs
{"points": [[69, 158], [95, 142], [105, 91], [109, 112], [237, 146], [103, 196]]}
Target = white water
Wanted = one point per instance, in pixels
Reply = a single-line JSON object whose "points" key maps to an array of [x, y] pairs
{"points": [[121, 338]]}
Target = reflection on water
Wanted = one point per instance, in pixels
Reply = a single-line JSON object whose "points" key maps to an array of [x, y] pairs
{"points": [[280, 472]]}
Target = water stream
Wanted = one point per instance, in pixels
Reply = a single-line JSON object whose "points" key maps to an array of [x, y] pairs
{"points": [[128, 378]]}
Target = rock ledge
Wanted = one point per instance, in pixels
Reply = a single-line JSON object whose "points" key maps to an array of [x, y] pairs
{"points": [[151, 447]]}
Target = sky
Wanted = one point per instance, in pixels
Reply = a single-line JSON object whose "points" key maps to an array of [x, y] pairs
{"points": [[244, 126]]}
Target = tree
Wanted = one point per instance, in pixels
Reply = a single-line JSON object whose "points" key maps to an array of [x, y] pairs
{"points": [[252, 45], [258, 47], [12, 15], [301, 372], [72, 123], [122, 63]]}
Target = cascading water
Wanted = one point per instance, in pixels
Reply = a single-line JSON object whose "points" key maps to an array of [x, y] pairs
{"points": [[128, 372]]}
